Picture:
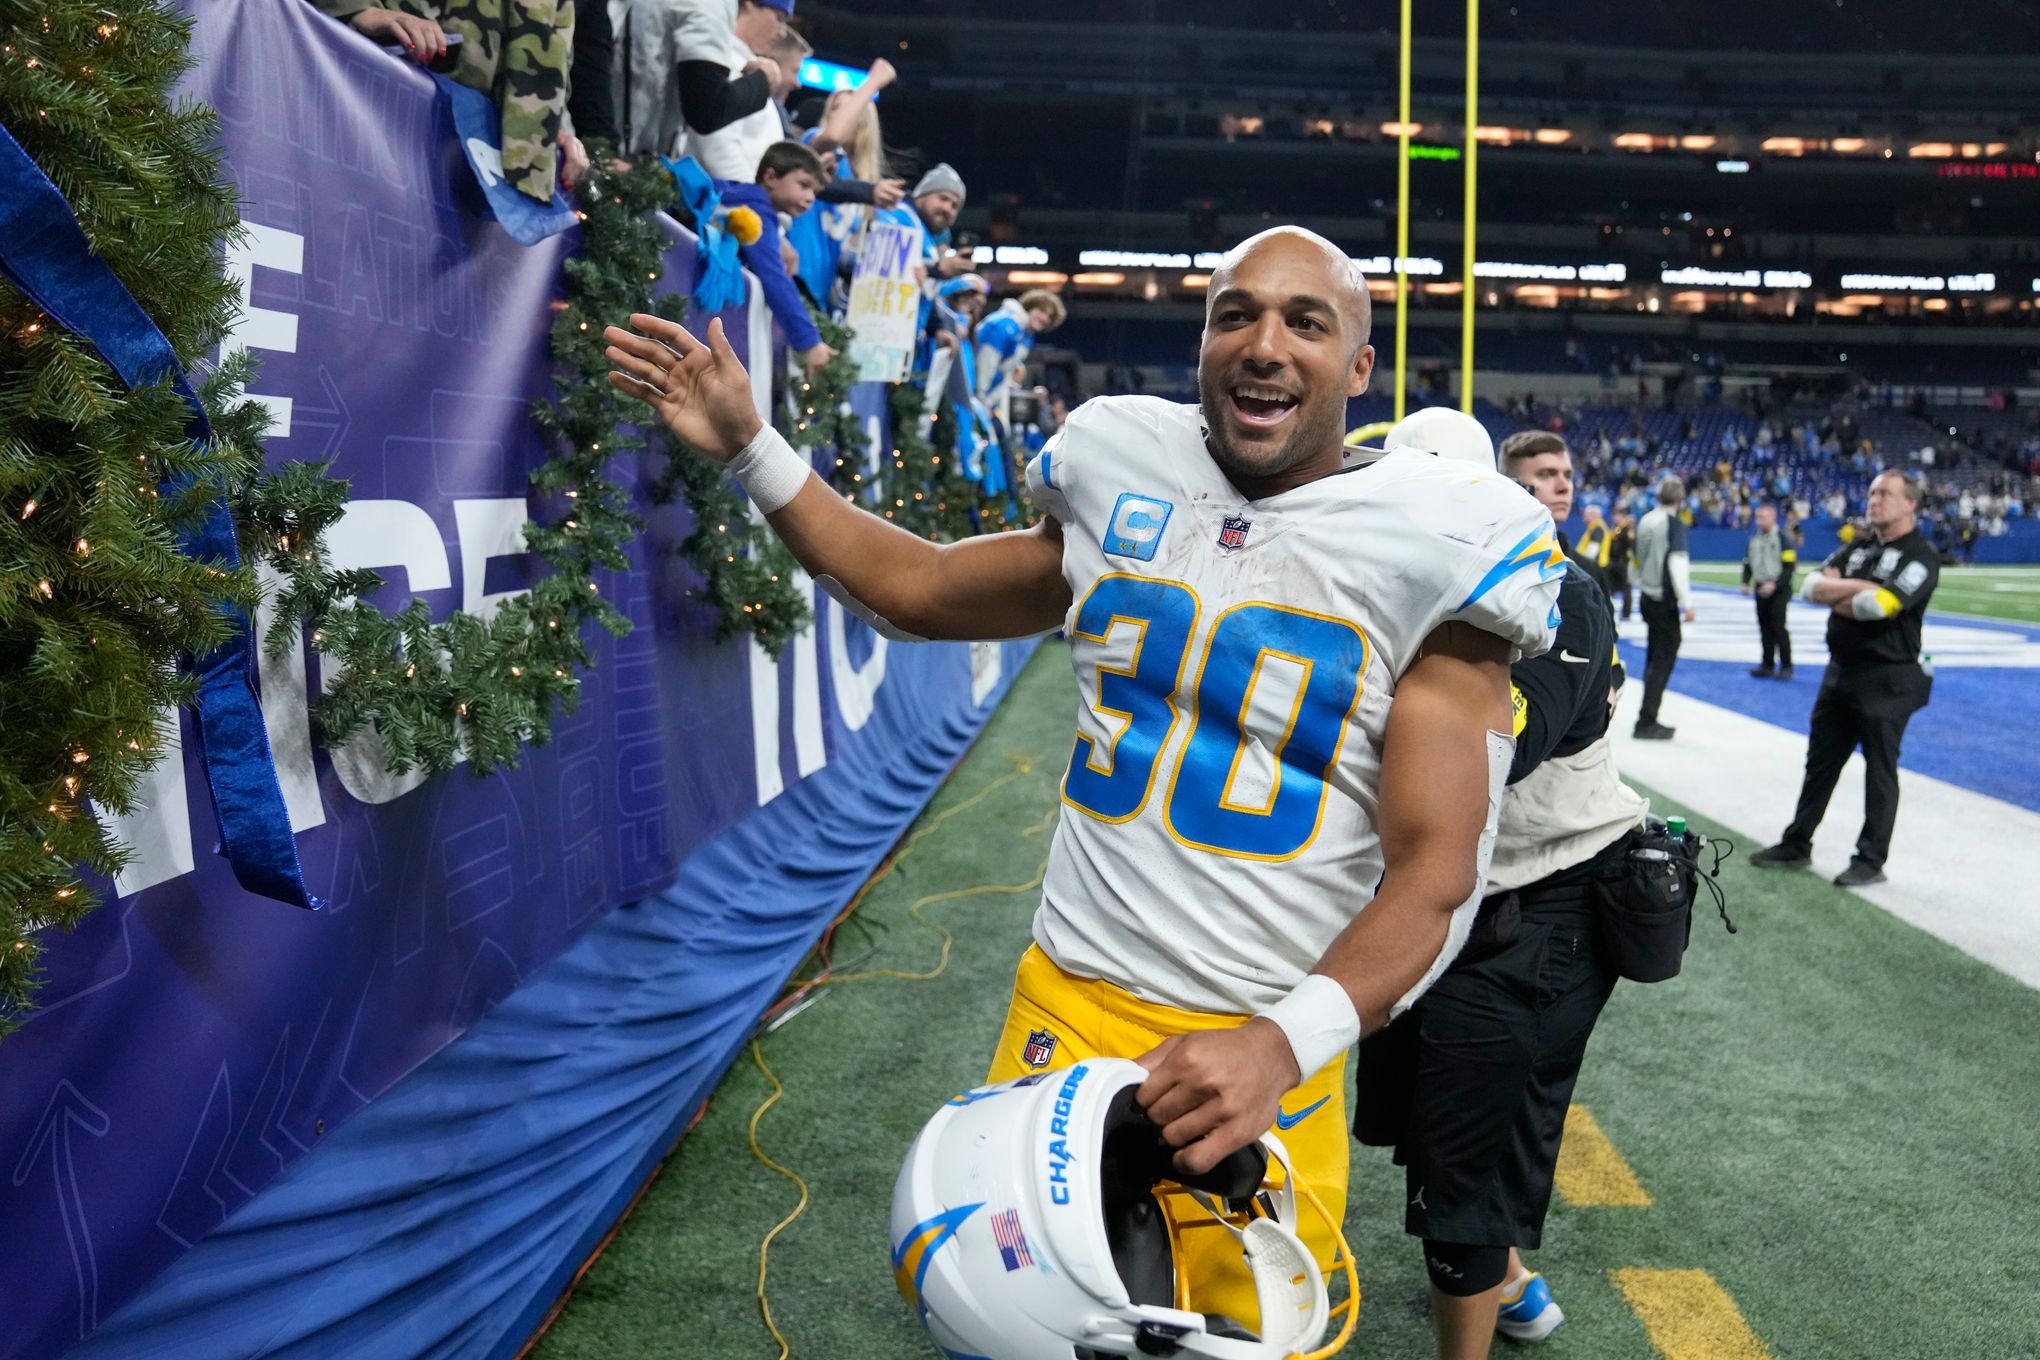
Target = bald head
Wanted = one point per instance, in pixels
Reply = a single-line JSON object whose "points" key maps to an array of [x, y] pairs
{"points": [[1285, 345], [1347, 285]]}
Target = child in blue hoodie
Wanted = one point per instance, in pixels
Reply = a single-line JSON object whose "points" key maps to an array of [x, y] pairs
{"points": [[789, 177]]}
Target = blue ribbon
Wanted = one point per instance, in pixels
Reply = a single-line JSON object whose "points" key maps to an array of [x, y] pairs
{"points": [[718, 278], [44, 254], [478, 127]]}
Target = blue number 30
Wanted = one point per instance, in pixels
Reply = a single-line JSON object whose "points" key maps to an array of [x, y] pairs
{"points": [[1202, 811]]}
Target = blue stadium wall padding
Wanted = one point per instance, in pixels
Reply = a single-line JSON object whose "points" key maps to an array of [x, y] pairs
{"points": [[444, 1219]]}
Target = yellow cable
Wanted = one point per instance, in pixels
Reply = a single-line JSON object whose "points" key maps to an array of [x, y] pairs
{"points": [[1021, 767], [764, 1305], [915, 909]]}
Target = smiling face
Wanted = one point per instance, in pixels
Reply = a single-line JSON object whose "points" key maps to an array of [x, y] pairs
{"points": [[1285, 344]]}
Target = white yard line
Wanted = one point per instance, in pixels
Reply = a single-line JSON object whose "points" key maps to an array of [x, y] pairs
{"points": [[1963, 868]]}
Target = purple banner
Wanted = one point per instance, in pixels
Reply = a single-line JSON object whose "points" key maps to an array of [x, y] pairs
{"points": [[193, 1040]]}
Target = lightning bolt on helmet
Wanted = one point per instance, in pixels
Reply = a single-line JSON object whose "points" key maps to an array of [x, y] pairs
{"points": [[1027, 1224]]}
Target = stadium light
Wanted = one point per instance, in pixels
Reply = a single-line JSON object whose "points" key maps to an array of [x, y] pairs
{"points": [[1553, 136], [1412, 264], [1009, 255], [1698, 141], [1551, 273], [1921, 283], [1107, 279], [1733, 167], [1694, 276], [1045, 277], [1132, 259]]}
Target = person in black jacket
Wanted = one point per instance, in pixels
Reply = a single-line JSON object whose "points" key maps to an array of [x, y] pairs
{"points": [[1471, 1086], [1877, 587]]}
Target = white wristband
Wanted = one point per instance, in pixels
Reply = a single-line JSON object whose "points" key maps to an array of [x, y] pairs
{"points": [[771, 473], [1320, 1021]]}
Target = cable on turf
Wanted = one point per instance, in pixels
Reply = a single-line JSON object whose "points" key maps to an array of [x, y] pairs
{"points": [[798, 990]]}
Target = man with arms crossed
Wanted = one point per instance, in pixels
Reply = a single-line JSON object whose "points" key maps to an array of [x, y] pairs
{"points": [[1876, 590], [1240, 614]]}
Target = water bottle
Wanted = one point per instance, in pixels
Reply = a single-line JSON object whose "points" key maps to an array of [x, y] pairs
{"points": [[1675, 827], [1927, 664]]}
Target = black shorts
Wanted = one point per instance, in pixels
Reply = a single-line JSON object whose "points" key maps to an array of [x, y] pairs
{"points": [[1471, 1086]]}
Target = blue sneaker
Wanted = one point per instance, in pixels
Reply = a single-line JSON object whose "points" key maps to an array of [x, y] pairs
{"points": [[1529, 1313]]}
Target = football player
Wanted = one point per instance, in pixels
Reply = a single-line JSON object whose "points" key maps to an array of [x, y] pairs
{"points": [[1260, 856]]}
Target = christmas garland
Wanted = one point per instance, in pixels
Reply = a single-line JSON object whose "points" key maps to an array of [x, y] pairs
{"points": [[470, 688]]}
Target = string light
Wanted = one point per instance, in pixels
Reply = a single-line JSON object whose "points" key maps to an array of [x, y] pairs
{"points": [[29, 508]]}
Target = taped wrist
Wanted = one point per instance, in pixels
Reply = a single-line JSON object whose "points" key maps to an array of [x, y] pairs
{"points": [[1319, 1020], [770, 472]]}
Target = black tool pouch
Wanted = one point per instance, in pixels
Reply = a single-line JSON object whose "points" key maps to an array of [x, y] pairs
{"points": [[1644, 919]]}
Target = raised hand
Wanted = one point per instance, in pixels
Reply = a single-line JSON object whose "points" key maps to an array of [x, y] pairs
{"points": [[700, 391]]}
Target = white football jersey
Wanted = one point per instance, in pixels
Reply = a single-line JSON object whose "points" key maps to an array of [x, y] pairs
{"points": [[1236, 660]]}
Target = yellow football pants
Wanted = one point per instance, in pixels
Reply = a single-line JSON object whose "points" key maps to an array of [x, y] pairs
{"points": [[1089, 1018]]}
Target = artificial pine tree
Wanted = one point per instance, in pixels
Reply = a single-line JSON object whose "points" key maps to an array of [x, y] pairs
{"points": [[96, 600]]}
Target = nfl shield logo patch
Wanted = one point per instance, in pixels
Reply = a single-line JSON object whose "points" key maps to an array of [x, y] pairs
{"points": [[1233, 533], [1040, 1048]]}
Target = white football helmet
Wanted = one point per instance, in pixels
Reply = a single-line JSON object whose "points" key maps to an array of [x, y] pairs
{"points": [[1452, 435], [1027, 1225]]}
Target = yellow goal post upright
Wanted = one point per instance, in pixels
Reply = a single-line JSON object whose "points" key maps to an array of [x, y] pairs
{"points": [[1470, 156]]}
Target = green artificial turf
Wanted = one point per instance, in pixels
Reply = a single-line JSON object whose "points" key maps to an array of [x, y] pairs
{"points": [[2010, 593], [1836, 1115]]}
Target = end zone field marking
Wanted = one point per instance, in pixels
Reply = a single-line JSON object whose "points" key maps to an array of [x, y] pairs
{"points": [[1688, 1316], [1591, 1173]]}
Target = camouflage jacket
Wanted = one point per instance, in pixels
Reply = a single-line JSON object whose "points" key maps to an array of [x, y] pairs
{"points": [[518, 53]]}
